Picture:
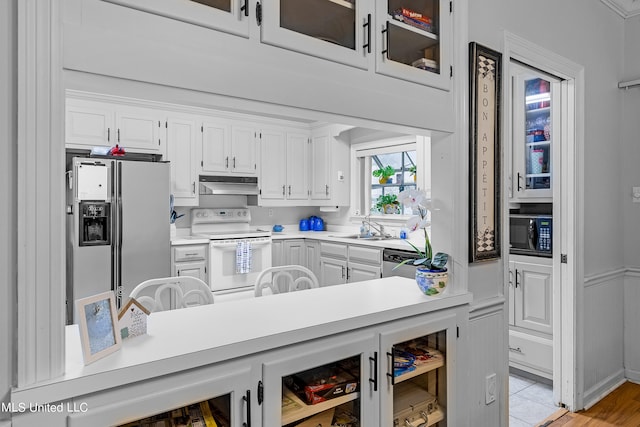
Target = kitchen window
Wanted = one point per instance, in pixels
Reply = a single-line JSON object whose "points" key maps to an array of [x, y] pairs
{"points": [[385, 168]]}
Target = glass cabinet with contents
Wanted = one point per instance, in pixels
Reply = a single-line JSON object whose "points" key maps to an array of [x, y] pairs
{"points": [[414, 43], [212, 412], [535, 115], [338, 30], [417, 370]]}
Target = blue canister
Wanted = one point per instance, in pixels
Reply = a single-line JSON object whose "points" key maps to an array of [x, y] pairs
{"points": [[304, 224], [319, 225], [312, 222]]}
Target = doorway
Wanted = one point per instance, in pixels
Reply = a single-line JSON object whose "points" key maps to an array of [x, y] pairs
{"points": [[564, 163]]}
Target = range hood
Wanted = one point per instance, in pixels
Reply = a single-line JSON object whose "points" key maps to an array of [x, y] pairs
{"points": [[229, 185]]}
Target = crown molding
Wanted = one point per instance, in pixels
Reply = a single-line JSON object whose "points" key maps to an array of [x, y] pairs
{"points": [[624, 8]]}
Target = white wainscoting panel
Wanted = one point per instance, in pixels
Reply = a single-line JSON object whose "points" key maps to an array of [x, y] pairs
{"points": [[487, 334], [603, 334], [632, 324]]}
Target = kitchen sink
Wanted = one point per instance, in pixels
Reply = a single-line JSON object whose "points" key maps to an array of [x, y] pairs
{"points": [[359, 237]]}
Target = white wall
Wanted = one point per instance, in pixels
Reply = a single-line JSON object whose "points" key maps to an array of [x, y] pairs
{"points": [[631, 211], [595, 41], [8, 225]]}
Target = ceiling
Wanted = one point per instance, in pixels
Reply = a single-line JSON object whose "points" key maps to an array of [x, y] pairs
{"points": [[625, 8]]}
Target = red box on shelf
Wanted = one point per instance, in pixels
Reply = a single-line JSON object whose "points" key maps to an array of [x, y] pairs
{"points": [[322, 384]]}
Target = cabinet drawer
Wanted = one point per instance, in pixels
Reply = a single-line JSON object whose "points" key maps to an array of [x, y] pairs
{"points": [[531, 351], [189, 253], [338, 250], [364, 254]]}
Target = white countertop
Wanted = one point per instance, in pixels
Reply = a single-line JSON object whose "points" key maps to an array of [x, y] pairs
{"points": [[291, 232], [176, 340]]}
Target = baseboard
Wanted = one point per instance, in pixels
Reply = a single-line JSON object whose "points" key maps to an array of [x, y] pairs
{"points": [[632, 375], [599, 391]]}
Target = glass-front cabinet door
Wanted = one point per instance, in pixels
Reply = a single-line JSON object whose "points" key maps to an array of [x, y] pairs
{"points": [[535, 127], [338, 30], [231, 16], [417, 369], [329, 382], [414, 40]]}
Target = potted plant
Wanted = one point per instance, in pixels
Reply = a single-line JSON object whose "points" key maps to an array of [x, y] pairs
{"points": [[383, 174], [412, 170], [431, 271], [387, 203]]}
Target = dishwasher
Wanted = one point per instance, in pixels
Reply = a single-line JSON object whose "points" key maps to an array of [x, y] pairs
{"points": [[392, 257]]}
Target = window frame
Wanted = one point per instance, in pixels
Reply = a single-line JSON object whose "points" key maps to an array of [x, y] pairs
{"points": [[361, 154]]}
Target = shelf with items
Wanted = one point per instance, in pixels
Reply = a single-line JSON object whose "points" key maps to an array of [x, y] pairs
{"points": [[216, 411], [294, 409], [415, 41], [322, 393]]}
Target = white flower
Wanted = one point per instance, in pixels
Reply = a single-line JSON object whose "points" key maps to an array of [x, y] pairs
{"points": [[416, 222], [411, 197]]}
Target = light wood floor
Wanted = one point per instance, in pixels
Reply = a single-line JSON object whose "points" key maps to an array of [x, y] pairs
{"points": [[621, 408]]}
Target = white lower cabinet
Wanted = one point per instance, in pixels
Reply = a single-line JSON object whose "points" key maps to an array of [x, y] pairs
{"points": [[222, 389], [399, 374], [342, 361], [417, 372], [396, 370], [190, 260], [530, 314], [341, 263]]}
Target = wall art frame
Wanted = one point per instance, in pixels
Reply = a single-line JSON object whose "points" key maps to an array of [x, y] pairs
{"points": [[98, 322], [485, 82]]}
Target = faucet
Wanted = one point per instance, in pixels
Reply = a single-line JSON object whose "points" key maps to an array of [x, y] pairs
{"points": [[376, 226]]}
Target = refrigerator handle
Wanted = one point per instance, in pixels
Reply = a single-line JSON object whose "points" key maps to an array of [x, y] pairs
{"points": [[119, 244], [114, 227]]}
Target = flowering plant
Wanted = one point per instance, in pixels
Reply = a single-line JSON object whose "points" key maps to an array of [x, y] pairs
{"points": [[417, 201]]}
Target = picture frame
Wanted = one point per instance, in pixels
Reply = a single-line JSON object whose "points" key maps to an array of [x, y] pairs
{"points": [[98, 322], [485, 82]]}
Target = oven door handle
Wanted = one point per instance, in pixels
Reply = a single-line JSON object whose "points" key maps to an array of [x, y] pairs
{"points": [[215, 244]]}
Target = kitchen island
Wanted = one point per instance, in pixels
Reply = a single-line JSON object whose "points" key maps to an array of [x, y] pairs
{"points": [[236, 348]]}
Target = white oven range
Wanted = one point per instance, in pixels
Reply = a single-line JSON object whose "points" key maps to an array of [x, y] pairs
{"points": [[237, 252]]}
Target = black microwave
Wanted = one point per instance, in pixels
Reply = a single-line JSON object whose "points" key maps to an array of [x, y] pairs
{"points": [[531, 234]]}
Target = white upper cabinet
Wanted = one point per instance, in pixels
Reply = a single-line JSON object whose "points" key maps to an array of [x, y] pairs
{"points": [[230, 16], [329, 167], [91, 123], [321, 167], [297, 166], [337, 30], [535, 119], [138, 128], [243, 150], [88, 123], [228, 148], [284, 164], [414, 41], [216, 145], [182, 143], [273, 165]]}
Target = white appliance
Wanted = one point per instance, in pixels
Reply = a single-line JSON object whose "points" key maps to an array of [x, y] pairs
{"points": [[237, 252]]}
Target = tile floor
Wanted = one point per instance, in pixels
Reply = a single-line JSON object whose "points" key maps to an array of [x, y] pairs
{"points": [[530, 401]]}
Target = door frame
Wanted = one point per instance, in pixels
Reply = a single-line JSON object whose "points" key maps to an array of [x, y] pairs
{"points": [[568, 196]]}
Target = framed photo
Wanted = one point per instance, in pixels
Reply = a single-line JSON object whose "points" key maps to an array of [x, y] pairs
{"points": [[485, 67], [98, 321]]}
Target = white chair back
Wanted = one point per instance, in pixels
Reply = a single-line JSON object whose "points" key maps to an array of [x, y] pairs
{"points": [[285, 278], [183, 291]]}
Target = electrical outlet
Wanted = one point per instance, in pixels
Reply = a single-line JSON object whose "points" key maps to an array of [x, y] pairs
{"points": [[270, 212], [490, 389], [635, 194]]}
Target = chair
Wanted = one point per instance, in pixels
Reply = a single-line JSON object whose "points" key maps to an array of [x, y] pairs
{"points": [[285, 278], [182, 291]]}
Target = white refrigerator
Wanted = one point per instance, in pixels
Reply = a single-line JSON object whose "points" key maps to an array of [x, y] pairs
{"points": [[117, 226]]}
